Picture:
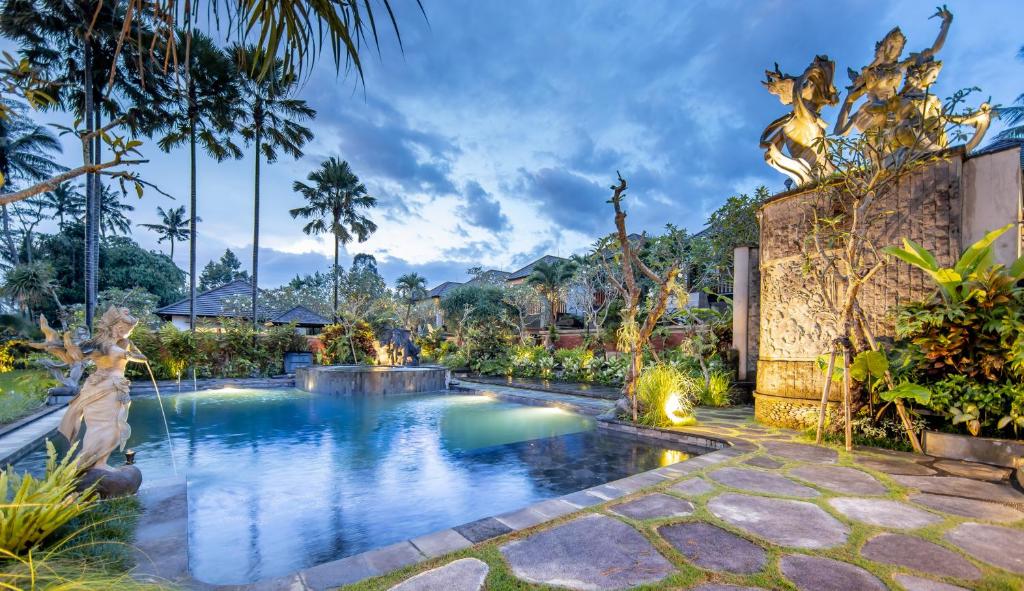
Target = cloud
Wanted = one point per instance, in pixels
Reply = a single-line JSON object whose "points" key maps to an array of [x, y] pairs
{"points": [[481, 209], [567, 198]]}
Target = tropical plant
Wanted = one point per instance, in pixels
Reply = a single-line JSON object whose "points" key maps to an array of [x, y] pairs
{"points": [[207, 107], [718, 389], [334, 197], [173, 226], [665, 396], [270, 124], [64, 202], [31, 509], [31, 284], [550, 278], [1013, 117], [114, 213], [411, 287], [221, 272]]}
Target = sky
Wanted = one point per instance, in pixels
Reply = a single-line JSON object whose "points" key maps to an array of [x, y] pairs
{"points": [[494, 137]]}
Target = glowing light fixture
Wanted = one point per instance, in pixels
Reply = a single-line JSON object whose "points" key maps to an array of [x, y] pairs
{"points": [[676, 411]]}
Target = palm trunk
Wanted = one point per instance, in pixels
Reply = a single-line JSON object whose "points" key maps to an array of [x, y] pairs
{"points": [[192, 204], [256, 225], [12, 249], [90, 186], [96, 232], [172, 250], [335, 278]]}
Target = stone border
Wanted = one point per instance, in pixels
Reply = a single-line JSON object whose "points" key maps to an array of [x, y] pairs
{"points": [[29, 418], [22, 440]]}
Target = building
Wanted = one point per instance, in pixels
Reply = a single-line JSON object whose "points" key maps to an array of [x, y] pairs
{"points": [[223, 302]]}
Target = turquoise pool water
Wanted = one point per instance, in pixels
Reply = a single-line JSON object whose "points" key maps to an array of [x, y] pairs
{"points": [[279, 480]]}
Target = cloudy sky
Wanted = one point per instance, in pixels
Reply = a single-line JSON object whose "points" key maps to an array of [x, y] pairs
{"points": [[494, 138]]}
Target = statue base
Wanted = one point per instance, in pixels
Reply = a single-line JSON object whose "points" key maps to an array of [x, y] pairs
{"points": [[118, 482]]}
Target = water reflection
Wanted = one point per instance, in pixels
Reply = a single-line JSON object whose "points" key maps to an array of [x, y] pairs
{"points": [[279, 480]]}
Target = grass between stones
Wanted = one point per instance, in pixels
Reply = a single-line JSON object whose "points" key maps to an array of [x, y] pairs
{"points": [[501, 578]]}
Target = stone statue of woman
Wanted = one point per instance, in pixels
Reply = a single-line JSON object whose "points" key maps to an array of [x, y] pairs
{"points": [[102, 404]]}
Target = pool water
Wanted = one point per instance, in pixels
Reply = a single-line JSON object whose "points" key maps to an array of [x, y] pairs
{"points": [[279, 480]]}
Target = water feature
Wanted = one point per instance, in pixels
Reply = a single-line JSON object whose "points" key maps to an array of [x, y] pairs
{"points": [[279, 480]]}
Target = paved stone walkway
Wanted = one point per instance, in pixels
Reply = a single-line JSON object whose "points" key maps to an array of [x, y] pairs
{"points": [[775, 512]]}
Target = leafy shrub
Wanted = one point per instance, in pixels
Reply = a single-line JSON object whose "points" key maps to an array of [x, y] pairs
{"points": [[31, 509], [578, 364], [665, 396], [718, 390], [339, 343]]}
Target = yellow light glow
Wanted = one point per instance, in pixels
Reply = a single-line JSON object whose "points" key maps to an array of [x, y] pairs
{"points": [[676, 412], [673, 456]]}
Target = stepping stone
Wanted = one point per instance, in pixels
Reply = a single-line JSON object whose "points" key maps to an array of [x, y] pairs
{"points": [[810, 573], [714, 548], [840, 479], [894, 466], [693, 487], [973, 470], [920, 555], [763, 462], [912, 583], [998, 546], [722, 587], [892, 453], [801, 452], [785, 522], [762, 482], [969, 508], [654, 506], [883, 513], [466, 574], [591, 552], [962, 487]]}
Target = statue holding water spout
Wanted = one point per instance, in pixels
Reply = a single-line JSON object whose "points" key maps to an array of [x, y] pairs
{"points": [[103, 402], [800, 133]]}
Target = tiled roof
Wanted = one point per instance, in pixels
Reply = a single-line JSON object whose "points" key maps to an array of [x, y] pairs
{"points": [[525, 271], [211, 303], [302, 316], [442, 289]]}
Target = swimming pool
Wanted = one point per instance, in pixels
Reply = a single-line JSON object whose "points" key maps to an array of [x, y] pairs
{"points": [[279, 480]]}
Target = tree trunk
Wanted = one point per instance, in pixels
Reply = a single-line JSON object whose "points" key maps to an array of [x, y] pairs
{"points": [[90, 185], [192, 205], [256, 226], [12, 249], [335, 310], [172, 250]]}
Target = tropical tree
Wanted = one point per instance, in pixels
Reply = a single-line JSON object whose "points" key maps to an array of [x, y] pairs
{"points": [[550, 278], [64, 202], [411, 287], [207, 107], [25, 155], [173, 226], [333, 197], [114, 212], [270, 123], [222, 272], [31, 284]]}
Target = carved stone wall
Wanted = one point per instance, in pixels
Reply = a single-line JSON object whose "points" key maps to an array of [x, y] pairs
{"points": [[926, 208]]}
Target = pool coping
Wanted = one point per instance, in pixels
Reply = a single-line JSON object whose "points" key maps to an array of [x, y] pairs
{"points": [[381, 561]]}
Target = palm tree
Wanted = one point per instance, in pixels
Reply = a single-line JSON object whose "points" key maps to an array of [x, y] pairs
{"points": [[411, 287], [64, 202], [25, 150], [173, 226], [114, 213], [270, 123], [549, 277], [206, 114], [1013, 116], [333, 196], [29, 284]]}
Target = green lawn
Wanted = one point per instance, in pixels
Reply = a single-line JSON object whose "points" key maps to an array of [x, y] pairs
{"points": [[22, 391]]}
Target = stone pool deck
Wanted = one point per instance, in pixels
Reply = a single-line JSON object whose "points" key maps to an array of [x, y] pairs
{"points": [[768, 512]]}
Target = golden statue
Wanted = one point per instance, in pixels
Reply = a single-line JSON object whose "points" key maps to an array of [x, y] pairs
{"points": [[103, 402], [802, 131]]}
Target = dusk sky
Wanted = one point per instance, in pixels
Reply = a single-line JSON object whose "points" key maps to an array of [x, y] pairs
{"points": [[494, 138]]}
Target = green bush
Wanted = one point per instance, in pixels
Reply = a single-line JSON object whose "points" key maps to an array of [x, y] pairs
{"points": [[578, 364], [665, 396], [718, 391]]}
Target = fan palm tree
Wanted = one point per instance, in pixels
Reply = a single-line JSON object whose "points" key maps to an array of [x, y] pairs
{"points": [[64, 202], [207, 108], [25, 150], [270, 123], [411, 288], [173, 226], [550, 277], [1013, 116], [333, 196]]}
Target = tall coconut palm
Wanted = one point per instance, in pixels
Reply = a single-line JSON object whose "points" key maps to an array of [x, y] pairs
{"points": [[207, 107], [270, 124], [114, 213], [411, 287], [550, 277], [173, 226], [25, 155], [64, 202], [334, 195]]}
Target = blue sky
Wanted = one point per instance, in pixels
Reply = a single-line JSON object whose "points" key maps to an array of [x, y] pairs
{"points": [[493, 139]]}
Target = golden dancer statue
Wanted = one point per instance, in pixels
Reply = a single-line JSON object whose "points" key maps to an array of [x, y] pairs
{"points": [[102, 404], [800, 132]]}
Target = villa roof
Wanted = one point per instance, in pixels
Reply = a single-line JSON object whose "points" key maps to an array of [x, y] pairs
{"points": [[442, 289], [301, 316], [212, 303], [525, 271]]}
